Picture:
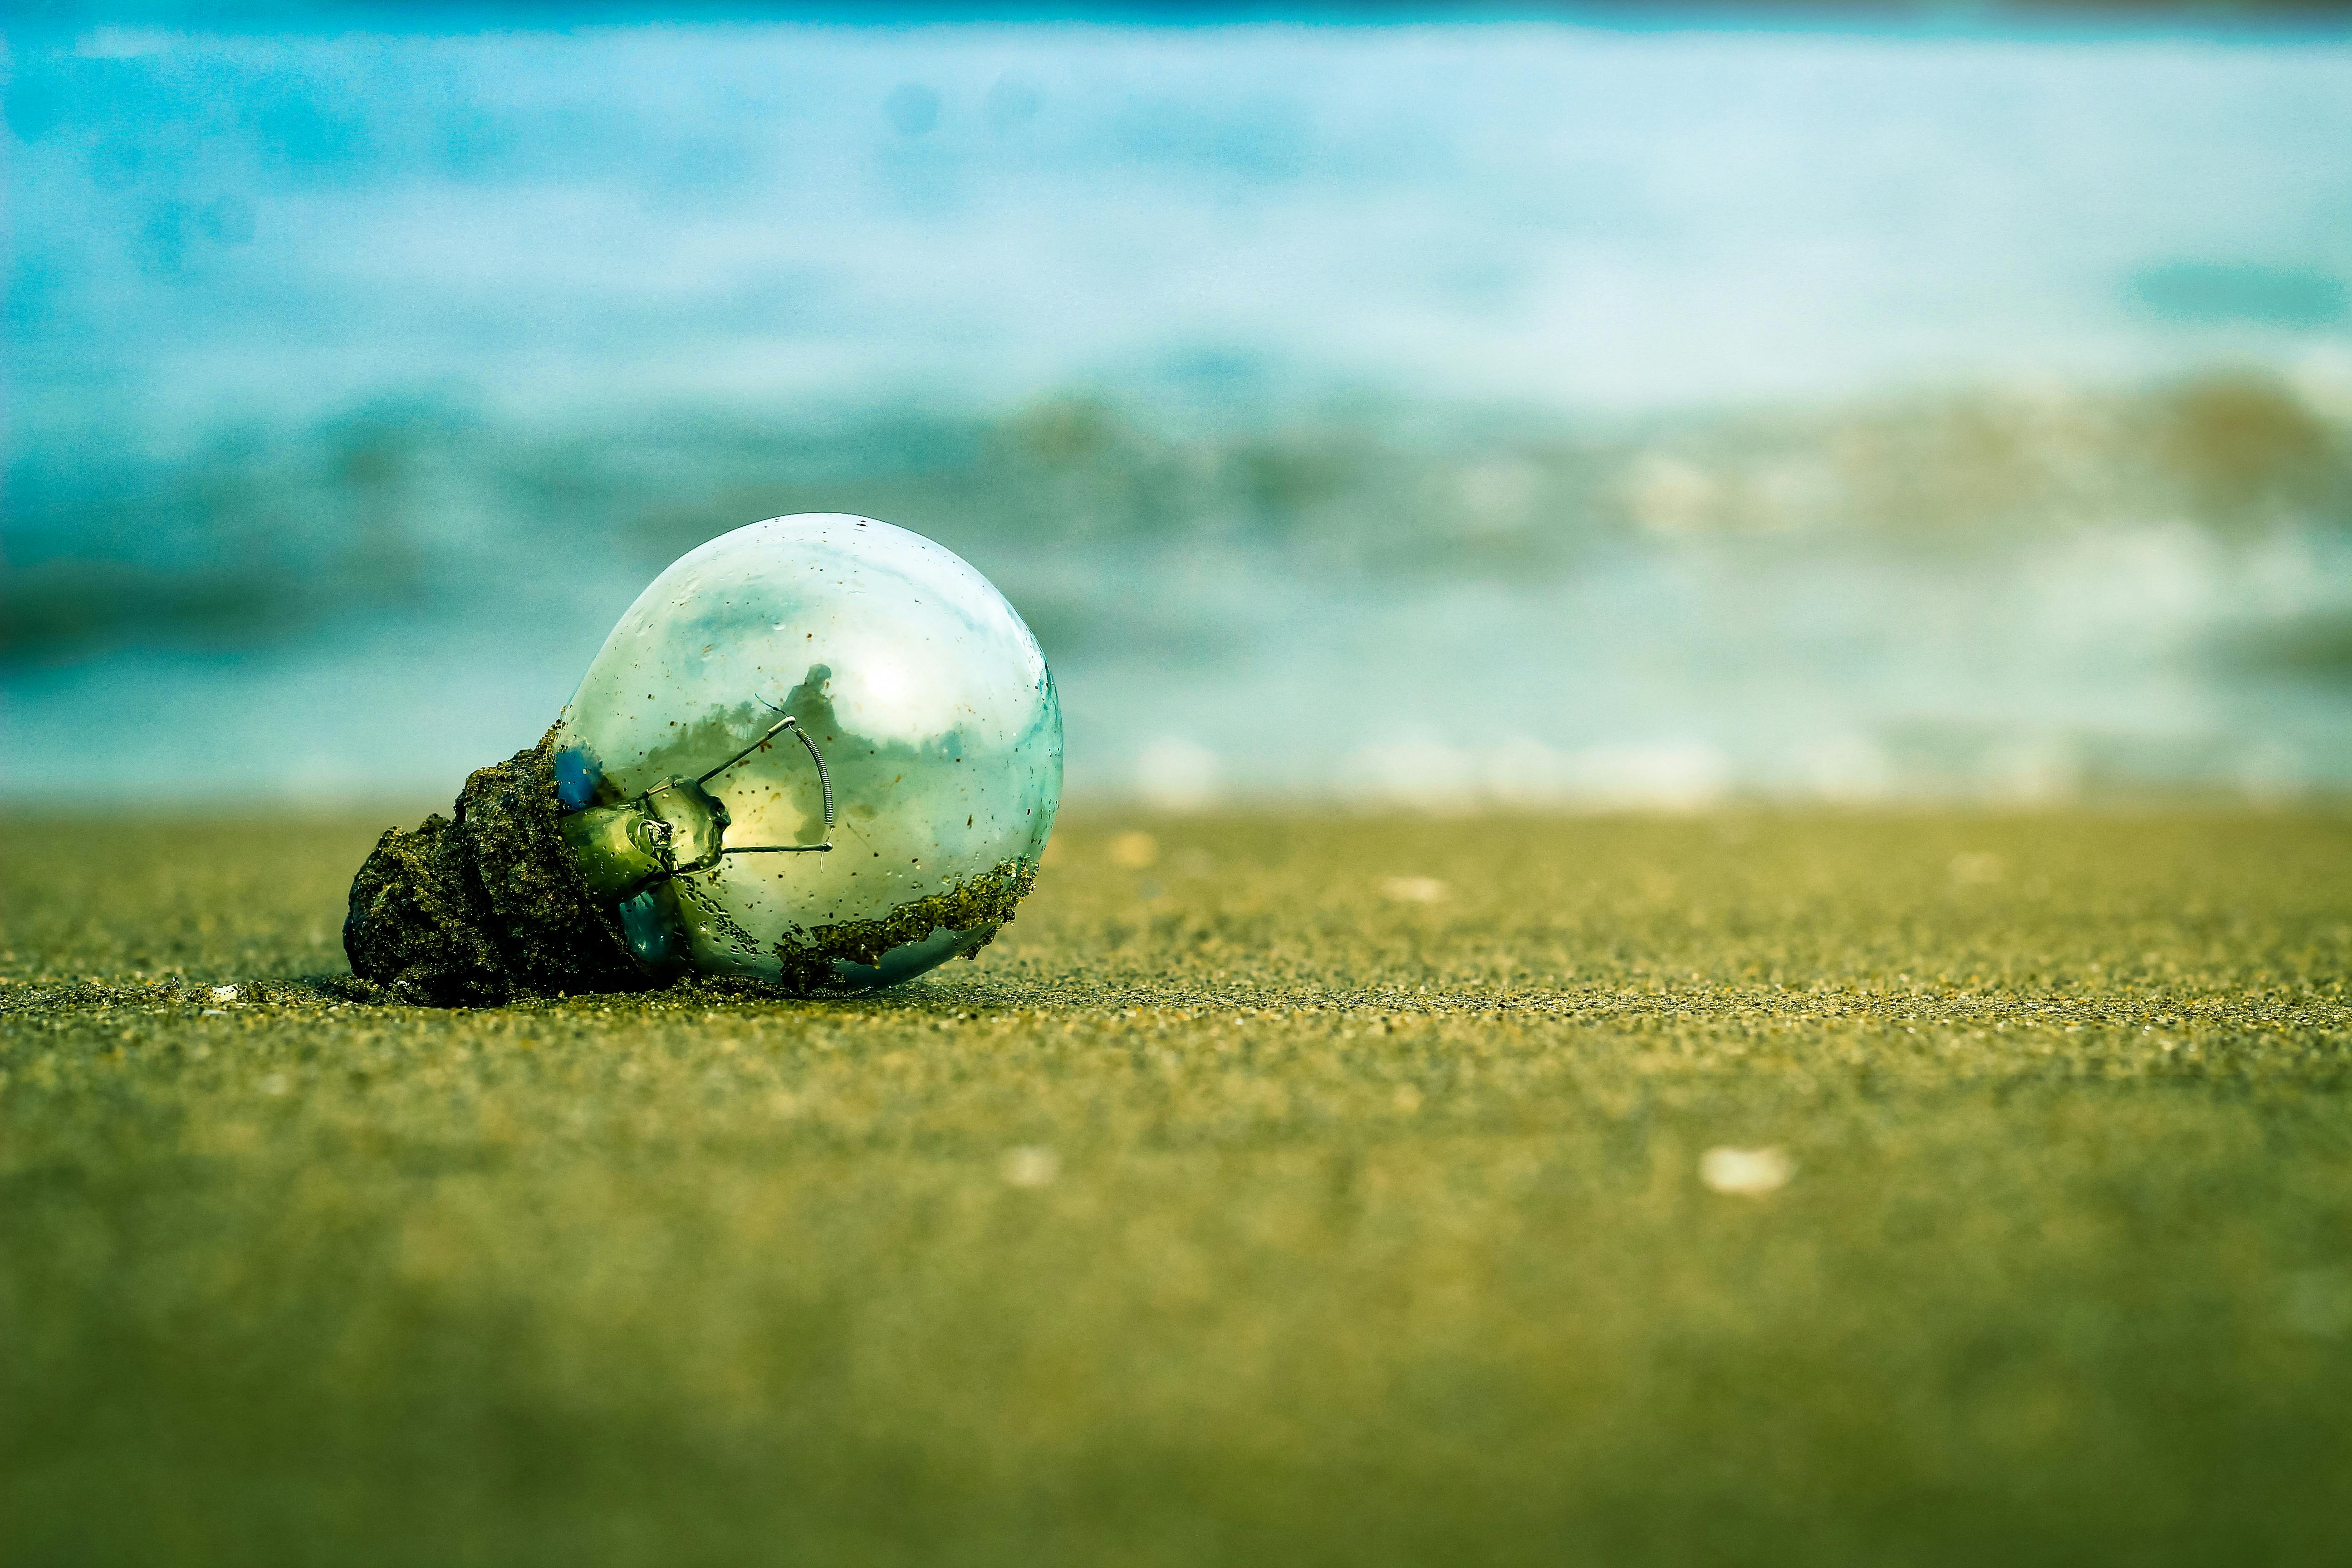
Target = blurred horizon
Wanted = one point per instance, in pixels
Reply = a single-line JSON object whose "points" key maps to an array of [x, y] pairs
{"points": [[1430, 413]]}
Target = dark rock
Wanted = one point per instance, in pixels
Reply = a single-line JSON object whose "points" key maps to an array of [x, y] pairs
{"points": [[486, 906]]}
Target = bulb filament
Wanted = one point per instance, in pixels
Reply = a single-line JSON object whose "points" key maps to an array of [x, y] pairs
{"points": [[824, 779], [677, 828]]}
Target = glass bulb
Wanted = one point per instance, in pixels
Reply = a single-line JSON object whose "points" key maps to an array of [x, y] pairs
{"points": [[820, 751]]}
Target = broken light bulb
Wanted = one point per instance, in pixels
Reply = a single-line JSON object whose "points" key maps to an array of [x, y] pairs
{"points": [[819, 751]]}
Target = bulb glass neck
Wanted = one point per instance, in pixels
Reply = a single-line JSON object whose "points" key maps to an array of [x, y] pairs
{"points": [[673, 828]]}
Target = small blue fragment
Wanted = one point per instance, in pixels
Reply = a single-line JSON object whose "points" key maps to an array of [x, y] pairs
{"points": [[576, 777], [648, 933]]}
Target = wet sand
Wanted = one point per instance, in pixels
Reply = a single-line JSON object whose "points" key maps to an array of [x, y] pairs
{"points": [[1276, 1188]]}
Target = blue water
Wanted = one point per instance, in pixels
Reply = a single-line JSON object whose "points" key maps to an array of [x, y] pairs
{"points": [[1474, 245]]}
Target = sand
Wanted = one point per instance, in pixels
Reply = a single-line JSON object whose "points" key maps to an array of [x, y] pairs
{"points": [[1740, 1188]]}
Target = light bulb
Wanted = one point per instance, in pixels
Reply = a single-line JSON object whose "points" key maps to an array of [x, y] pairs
{"points": [[820, 751]]}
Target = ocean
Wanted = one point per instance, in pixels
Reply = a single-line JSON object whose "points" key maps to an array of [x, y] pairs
{"points": [[1442, 416]]}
